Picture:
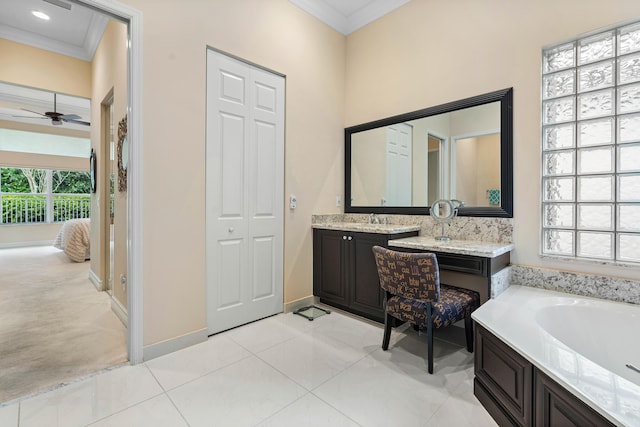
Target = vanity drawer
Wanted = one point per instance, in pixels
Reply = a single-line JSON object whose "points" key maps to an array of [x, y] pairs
{"points": [[463, 263]]}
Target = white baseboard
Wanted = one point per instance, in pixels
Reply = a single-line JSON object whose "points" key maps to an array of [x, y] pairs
{"points": [[119, 310], [26, 244], [96, 281], [302, 302], [169, 346]]}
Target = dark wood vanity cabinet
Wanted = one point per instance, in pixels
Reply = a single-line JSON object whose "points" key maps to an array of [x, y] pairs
{"points": [[344, 270], [516, 393]]}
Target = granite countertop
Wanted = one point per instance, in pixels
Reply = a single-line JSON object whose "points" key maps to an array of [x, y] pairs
{"points": [[367, 228], [463, 247]]}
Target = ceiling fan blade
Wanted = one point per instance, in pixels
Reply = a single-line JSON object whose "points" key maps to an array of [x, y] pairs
{"points": [[69, 117], [34, 112], [77, 122], [30, 117]]}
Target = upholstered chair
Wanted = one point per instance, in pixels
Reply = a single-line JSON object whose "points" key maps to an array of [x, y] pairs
{"points": [[411, 282]]}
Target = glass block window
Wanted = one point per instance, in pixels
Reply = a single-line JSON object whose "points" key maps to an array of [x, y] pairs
{"points": [[591, 147]]}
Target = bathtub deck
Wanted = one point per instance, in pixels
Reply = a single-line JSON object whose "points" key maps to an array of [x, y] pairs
{"points": [[516, 317]]}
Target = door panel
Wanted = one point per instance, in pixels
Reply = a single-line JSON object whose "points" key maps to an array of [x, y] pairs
{"points": [[245, 192], [399, 148], [265, 174], [263, 268], [231, 165], [230, 272]]}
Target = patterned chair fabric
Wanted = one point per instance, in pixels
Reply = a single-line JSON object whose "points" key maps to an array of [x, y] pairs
{"points": [[412, 275], [455, 304], [414, 295]]}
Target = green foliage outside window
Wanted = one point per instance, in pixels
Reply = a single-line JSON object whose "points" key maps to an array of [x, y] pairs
{"points": [[69, 190]]}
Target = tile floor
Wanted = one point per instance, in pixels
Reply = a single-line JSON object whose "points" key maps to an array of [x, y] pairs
{"points": [[280, 371]]}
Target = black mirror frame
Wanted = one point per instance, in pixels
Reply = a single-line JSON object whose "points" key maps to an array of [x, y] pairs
{"points": [[505, 210]]}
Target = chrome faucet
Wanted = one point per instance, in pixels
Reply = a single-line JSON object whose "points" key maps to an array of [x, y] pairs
{"points": [[373, 219]]}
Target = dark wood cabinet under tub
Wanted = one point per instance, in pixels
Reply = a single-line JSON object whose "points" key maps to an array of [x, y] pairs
{"points": [[516, 393], [344, 270]]}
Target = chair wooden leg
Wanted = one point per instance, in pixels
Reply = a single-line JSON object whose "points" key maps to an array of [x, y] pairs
{"points": [[388, 320], [429, 339], [468, 330]]}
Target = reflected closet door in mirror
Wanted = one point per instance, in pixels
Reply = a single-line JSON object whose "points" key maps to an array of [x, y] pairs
{"points": [[460, 150]]}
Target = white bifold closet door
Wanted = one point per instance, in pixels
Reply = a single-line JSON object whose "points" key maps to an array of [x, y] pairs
{"points": [[244, 192], [399, 148]]}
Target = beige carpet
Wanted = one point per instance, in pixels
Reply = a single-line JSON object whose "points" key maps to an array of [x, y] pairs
{"points": [[54, 325]]}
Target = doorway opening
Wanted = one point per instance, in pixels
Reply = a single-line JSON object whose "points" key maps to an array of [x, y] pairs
{"points": [[132, 339]]}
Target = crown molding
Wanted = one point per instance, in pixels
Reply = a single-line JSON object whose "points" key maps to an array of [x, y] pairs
{"points": [[347, 24], [83, 52]]}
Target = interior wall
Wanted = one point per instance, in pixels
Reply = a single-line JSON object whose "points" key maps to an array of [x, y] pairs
{"points": [[368, 164], [488, 171], [42, 161], [58, 130], [494, 44], [466, 171], [30, 66], [109, 71], [64, 75], [274, 34], [419, 166]]}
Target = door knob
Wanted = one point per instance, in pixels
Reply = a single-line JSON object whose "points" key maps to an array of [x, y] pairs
{"points": [[230, 229]]}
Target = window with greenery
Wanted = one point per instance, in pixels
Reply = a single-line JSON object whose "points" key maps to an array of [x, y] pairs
{"points": [[42, 195], [591, 147]]}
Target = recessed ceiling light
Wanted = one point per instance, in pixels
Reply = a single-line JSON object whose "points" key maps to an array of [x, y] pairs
{"points": [[41, 15]]}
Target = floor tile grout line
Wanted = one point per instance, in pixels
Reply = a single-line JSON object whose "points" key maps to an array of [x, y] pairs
{"points": [[135, 404], [331, 406], [264, 349], [124, 409], [206, 373], [283, 408], [154, 377], [177, 409]]}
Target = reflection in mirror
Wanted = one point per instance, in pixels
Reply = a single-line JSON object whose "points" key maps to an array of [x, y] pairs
{"points": [[460, 150], [443, 211], [450, 155], [475, 176]]}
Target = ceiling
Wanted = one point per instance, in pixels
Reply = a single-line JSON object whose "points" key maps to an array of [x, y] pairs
{"points": [[15, 100], [74, 30], [346, 16]]}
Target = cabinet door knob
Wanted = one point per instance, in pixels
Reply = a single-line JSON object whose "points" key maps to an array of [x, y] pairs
{"points": [[344, 237], [230, 229], [350, 238]]}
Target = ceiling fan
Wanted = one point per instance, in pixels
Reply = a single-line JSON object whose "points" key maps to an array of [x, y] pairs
{"points": [[56, 118]]}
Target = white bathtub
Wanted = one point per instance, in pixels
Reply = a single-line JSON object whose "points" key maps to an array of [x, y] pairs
{"points": [[582, 343]]}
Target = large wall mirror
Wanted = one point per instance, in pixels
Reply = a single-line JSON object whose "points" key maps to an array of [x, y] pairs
{"points": [[461, 150]]}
